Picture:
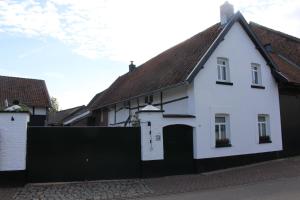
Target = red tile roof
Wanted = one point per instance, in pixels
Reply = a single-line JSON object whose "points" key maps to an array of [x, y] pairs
{"points": [[31, 92], [166, 69], [286, 50], [173, 66]]}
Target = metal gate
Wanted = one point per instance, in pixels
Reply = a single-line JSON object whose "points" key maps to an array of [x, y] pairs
{"points": [[82, 153], [178, 149]]}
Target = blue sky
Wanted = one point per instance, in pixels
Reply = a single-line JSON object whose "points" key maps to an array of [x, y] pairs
{"points": [[80, 47]]}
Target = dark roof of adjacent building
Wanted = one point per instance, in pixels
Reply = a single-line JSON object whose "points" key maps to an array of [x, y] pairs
{"points": [[30, 92], [57, 118], [95, 100], [175, 65], [285, 50]]}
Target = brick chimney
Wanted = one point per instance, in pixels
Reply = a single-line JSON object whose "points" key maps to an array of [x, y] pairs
{"points": [[226, 12], [132, 67]]}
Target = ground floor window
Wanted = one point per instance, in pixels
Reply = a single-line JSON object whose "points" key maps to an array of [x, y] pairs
{"points": [[222, 130], [263, 128]]}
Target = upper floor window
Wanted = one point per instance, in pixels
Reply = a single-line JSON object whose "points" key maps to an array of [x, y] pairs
{"points": [[223, 69], [263, 128], [222, 130], [256, 74], [149, 99]]}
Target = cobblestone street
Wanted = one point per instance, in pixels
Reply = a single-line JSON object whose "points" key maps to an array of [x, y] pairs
{"points": [[138, 189], [123, 189]]}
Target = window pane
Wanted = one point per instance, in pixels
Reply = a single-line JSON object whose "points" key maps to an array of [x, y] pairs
{"points": [[263, 129], [261, 118], [217, 131], [259, 129], [219, 73], [220, 119], [256, 77], [223, 131], [221, 61], [224, 73]]}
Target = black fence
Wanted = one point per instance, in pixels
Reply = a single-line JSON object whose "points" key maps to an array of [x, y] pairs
{"points": [[83, 153]]}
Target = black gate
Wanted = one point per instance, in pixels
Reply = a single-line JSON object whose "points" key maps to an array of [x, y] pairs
{"points": [[178, 149], [82, 153]]}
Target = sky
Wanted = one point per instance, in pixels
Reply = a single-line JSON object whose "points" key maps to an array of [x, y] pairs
{"points": [[79, 47]]}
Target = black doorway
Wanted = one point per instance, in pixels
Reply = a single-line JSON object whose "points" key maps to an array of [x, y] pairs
{"points": [[178, 149]]}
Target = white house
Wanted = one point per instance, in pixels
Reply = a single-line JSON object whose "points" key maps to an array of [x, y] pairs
{"points": [[214, 97], [31, 93]]}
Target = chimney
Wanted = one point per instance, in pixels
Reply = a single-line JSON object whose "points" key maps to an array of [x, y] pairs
{"points": [[132, 67], [226, 12]]}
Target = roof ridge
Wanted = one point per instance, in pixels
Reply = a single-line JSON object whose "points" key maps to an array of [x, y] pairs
{"points": [[276, 32], [171, 48], [76, 107], [17, 77]]}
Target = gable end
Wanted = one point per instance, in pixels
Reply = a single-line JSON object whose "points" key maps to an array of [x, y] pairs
{"points": [[238, 17]]}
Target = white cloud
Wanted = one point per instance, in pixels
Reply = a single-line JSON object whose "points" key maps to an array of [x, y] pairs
{"points": [[133, 29]]}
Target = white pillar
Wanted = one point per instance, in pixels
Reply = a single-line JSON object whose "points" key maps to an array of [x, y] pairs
{"points": [[151, 121]]}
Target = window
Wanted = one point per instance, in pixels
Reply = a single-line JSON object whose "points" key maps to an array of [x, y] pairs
{"points": [[149, 99], [256, 74], [263, 129], [223, 70], [222, 131]]}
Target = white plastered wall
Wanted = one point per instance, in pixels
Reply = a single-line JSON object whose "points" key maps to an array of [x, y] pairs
{"points": [[13, 139], [240, 101]]}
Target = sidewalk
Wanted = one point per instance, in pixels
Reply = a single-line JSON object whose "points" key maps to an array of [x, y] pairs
{"points": [[278, 189]]}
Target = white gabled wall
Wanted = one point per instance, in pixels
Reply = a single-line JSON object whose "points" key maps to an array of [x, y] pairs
{"points": [[240, 101], [13, 138]]}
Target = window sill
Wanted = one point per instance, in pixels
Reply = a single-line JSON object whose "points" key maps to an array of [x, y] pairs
{"points": [[223, 145], [224, 83], [258, 86], [265, 142]]}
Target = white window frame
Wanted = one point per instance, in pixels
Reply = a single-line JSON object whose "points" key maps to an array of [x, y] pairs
{"points": [[256, 74], [223, 72], [263, 126], [220, 125]]}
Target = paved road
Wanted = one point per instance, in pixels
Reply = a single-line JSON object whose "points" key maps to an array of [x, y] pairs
{"points": [[239, 181], [280, 189]]}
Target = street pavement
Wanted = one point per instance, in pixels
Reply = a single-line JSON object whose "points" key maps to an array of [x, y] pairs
{"points": [[279, 189], [265, 180]]}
